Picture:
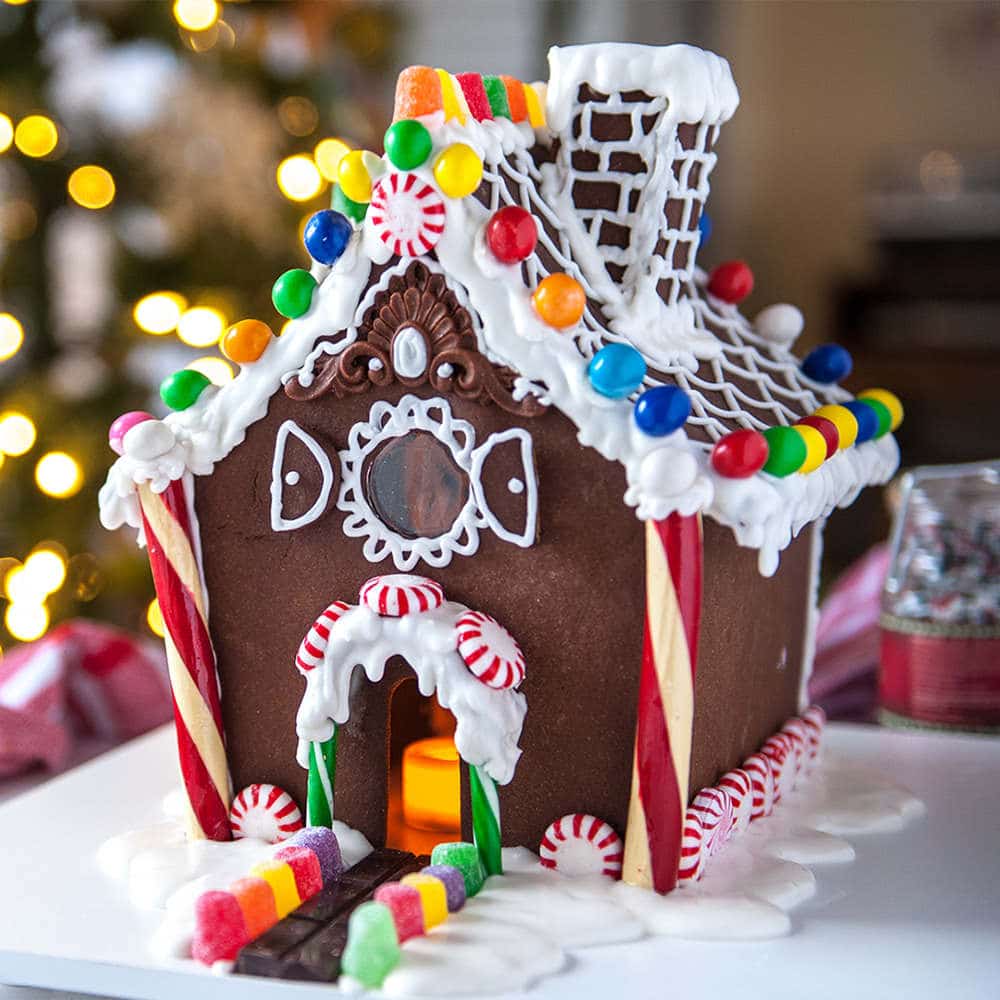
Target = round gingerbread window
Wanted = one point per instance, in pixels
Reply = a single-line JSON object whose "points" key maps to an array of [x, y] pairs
{"points": [[414, 486]]}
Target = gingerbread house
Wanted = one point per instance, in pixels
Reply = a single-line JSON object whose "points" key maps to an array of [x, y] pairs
{"points": [[507, 390]]}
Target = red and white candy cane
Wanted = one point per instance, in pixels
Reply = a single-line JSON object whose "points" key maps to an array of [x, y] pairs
{"points": [[762, 778], [740, 788], [662, 756], [194, 679], [313, 646], [578, 844], [401, 594]]}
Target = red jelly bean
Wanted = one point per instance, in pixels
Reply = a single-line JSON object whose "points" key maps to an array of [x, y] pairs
{"points": [[732, 282], [827, 428], [219, 929], [511, 234], [405, 905], [740, 454], [305, 868]]}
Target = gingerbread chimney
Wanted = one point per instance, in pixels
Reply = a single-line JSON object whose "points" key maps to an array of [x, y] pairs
{"points": [[635, 126]]}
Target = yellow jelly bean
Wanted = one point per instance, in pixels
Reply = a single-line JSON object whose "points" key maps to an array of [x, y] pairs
{"points": [[355, 181], [815, 447], [845, 422], [458, 170], [433, 898], [889, 400], [280, 877]]}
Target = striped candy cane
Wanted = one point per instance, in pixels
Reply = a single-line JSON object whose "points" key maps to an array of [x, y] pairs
{"points": [[485, 819], [172, 543], [662, 756]]}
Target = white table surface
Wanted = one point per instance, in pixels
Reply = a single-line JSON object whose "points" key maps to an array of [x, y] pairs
{"points": [[917, 915]]}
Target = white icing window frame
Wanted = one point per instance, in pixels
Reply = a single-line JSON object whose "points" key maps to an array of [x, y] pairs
{"points": [[278, 521]]}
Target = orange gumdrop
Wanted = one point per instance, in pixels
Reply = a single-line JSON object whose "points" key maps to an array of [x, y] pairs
{"points": [[418, 92], [515, 98], [246, 341], [256, 899], [559, 300]]}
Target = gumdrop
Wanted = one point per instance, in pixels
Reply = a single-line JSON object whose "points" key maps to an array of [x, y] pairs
{"points": [[305, 869], [372, 949], [515, 98], [219, 929], [475, 95], [433, 898], [453, 881], [279, 877], [322, 841], [418, 92], [256, 900], [464, 857], [496, 94], [406, 907]]}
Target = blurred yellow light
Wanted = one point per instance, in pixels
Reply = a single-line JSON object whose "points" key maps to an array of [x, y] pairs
{"points": [[15, 3], [6, 133], [298, 178], [201, 326], [154, 618], [328, 154], [46, 570], [196, 15], [91, 186], [11, 336], [298, 115], [218, 370], [58, 475], [36, 135], [159, 312], [432, 798], [27, 620], [17, 433], [19, 586]]}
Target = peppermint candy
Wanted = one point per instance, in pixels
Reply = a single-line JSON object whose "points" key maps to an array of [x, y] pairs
{"points": [[778, 750], [489, 650], [401, 594], [313, 646], [715, 810], [739, 785], [814, 719], [407, 214], [798, 733], [264, 812], [762, 781], [692, 862], [579, 844]]}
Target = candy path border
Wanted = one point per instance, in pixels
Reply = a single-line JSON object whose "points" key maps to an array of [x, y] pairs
{"points": [[959, 871]]}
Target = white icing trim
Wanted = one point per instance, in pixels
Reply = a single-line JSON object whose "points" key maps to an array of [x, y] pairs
{"points": [[488, 720], [526, 538], [278, 521]]}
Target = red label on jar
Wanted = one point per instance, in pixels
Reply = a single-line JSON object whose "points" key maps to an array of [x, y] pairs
{"points": [[947, 681]]}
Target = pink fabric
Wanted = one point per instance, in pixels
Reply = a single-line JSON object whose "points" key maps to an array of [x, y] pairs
{"points": [[82, 680], [845, 671]]}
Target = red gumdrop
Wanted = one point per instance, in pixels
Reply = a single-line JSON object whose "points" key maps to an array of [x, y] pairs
{"points": [[511, 234], [219, 928], [827, 428], [475, 95], [305, 868], [740, 454], [732, 282], [405, 906]]}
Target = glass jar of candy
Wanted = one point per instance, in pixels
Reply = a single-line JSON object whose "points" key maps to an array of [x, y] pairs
{"points": [[940, 621]]}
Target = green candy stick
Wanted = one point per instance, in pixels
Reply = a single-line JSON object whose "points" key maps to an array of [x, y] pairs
{"points": [[322, 771]]}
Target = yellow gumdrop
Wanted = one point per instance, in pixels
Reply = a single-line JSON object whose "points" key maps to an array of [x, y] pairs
{"points": [[433, 898], [280, 877], [845, 422], [355, 181], [458, 170], [815, 447], [889, 400]]}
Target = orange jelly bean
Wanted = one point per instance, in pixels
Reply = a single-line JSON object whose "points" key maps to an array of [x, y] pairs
{"points": [[246, 341], [256, 899], [559, 300], [418, 92]]}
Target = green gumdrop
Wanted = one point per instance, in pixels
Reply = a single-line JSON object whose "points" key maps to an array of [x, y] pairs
{"points": [[786, 451], [407, 144], [292, 293], [464, 857], [496, 94], [355, 210], [883, 414], [182, 389], [372, 949]]}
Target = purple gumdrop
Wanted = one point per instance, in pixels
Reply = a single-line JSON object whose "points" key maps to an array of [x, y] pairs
{"points": [[454, 884], [123, 425], [406, 907], [322, 841]]}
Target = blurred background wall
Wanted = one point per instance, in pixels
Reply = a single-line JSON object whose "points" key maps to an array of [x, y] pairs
{"points": [[860, 179]]}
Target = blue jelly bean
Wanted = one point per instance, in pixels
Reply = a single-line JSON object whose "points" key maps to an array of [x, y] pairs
{"points": [[704, 229], [326, 236], [616, 370], [827, 363], [661, 410], [867, 420]]}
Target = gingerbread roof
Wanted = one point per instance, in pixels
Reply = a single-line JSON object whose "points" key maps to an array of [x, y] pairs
{"points": [[612, 160]]}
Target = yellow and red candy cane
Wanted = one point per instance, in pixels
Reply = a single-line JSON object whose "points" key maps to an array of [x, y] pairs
{"points": [[194, 680], [662, 758]]}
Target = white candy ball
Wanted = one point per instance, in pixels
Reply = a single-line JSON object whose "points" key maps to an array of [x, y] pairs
{"points": [[780, 324], [668, 471], [148, 440]]}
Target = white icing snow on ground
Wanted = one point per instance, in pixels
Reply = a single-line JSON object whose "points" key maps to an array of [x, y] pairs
{"points": [[523, 925]]}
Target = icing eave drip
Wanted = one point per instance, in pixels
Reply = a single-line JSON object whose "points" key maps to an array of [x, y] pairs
{"points": [[698, 84]]}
